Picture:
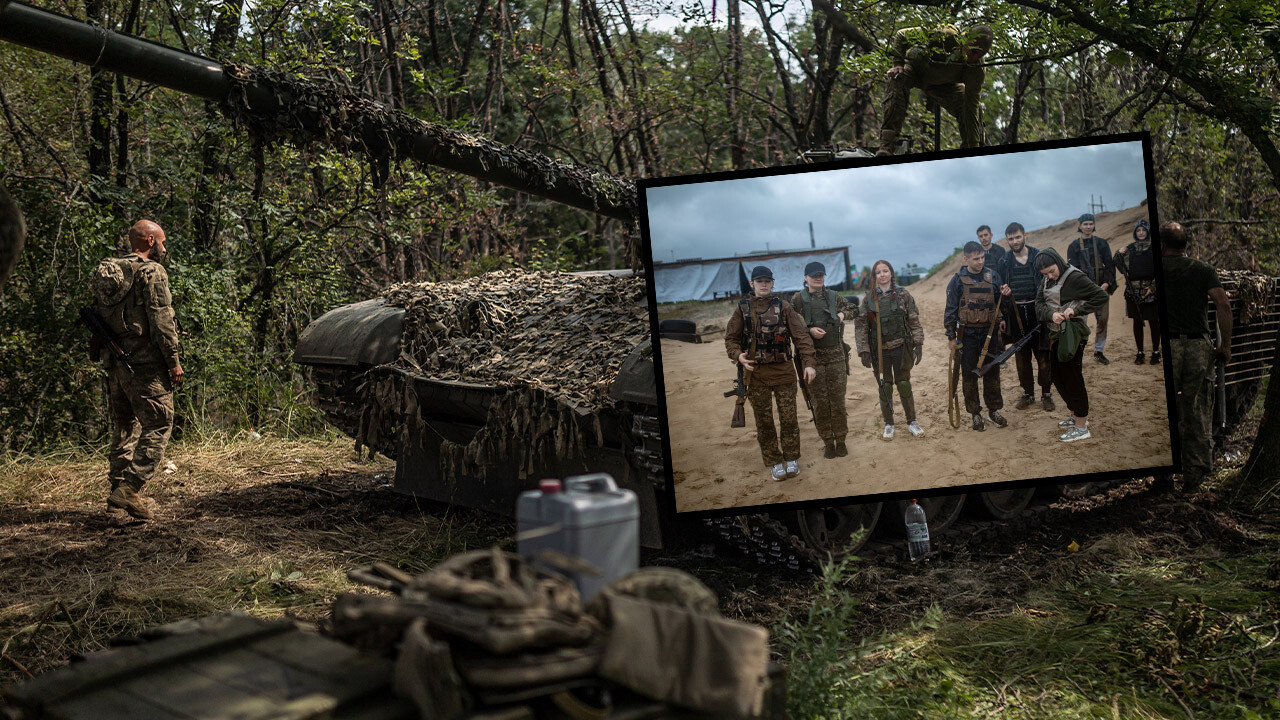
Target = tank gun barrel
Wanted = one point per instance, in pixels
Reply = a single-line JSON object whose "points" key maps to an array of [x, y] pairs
{"points": [[427, 143]]}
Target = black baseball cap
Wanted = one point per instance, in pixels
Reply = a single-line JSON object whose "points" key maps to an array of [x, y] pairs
{"points": [[815, 269], [761, 271]]}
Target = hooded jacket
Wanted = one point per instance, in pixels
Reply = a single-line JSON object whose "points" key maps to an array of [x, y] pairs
{"points": [[1077, 291], [1139, 291]]}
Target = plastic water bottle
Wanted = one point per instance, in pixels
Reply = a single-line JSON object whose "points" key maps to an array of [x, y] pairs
{"points": [[917, 531]]}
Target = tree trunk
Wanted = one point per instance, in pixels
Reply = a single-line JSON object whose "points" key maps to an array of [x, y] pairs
{"points": [[737, 143], [204, 221], [99, 115], [1015, 115]]}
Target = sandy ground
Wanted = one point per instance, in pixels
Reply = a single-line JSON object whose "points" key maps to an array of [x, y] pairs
{"points": [[717, 466]]}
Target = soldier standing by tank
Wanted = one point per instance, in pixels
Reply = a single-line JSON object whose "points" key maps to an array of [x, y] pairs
{"points": [[132, 297], [991, 253], [890, 340], [946, 67], [1191, 353], [823, 313], [1092, 255], [972, 321], [1140, 294], [759, 336], [1022, 282]]}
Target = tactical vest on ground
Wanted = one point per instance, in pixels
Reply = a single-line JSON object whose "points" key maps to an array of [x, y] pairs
{"points": [[893, 317], [977, 299], [824, 316], [120, 299], [770, 331], [1022, 278]]}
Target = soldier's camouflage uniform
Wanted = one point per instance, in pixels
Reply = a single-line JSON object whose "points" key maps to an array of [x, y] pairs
{"points": [[900, 325], [132, 296], [774, 379], [933, 61], [821, 309]]}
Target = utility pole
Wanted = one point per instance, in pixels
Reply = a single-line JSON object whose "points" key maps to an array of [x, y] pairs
{"points": [[811, 240]]}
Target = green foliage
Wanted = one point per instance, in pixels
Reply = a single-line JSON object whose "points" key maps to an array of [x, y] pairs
{"points": [[815, 647]]}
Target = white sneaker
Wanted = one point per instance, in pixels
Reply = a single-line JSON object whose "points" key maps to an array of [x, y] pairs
{"points": [[1075, 433], [888, 432], [1069, 422], [779, 471], [914, 427], [793, 468]]}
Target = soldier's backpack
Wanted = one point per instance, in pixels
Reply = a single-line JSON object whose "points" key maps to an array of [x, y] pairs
{"points": [[1142, 262], [112, 282]]}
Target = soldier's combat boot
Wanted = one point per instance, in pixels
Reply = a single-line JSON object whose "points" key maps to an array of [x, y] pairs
{"points": [[1026, 401], [793, 468], [914, 427], [1046, 402], [841, 450], [779, 471], [1155, 357], [131, 501], [1102, 359], [829, 449], [997, 418], [977, 423]]}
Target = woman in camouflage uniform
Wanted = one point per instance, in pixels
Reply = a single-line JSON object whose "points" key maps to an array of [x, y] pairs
{"points": [[1140, 295], [890, 343]]}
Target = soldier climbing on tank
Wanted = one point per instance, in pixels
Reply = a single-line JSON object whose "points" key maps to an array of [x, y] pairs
{"points": [[1021, 283], [1188, 282], [890, 341], [1092, 255], [946, 66], [823, 313], [1137, 263], [760, 336], [132, 298], [974, 321]]}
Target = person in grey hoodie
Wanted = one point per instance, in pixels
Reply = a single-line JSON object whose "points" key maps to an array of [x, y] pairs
{"points": [[1064, 300]]}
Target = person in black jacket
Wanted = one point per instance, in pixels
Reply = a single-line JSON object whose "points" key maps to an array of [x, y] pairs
{"points": [[1062, 303], [1092, 256], [1022, 282]]}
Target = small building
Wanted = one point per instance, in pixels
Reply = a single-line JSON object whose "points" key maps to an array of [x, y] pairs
{"points": [[718, 278]]}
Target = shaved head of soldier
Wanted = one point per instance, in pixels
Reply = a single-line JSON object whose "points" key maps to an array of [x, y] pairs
{"points": [[147, 239], [1173, 238]]}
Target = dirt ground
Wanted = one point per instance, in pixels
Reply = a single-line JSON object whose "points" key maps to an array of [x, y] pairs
{"points": [[717, 466]]}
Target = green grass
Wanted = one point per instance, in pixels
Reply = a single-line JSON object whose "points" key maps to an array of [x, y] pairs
{"points": [[1120, 630]]}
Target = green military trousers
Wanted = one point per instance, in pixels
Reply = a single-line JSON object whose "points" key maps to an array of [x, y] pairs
{"points": [[762, 398], [1191, 360], [828, 390], [955, 86], [142, 410]]}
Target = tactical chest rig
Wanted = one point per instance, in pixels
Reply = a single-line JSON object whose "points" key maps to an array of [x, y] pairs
{"points": [[977, 300], [773, 337], [824, 317], [892, 316]]}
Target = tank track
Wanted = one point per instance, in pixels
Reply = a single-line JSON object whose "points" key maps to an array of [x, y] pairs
{"points": [[767, 539]]}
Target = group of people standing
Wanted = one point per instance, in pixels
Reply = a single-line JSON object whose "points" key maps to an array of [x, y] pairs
{"points": [[1027, 296]]}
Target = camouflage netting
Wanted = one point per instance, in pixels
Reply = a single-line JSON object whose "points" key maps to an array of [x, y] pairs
{"points": [[310, 110], [1254, 290], [553, 341]]}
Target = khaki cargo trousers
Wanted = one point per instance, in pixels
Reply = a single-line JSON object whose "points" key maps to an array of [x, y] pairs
{"points": [[141, 407], [957, 87]]}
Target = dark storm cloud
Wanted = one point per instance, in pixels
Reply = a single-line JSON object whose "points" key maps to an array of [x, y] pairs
{"points": [[913, 212]]}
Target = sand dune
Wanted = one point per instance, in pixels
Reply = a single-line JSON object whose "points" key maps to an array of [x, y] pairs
{"points": [[717, 466]]}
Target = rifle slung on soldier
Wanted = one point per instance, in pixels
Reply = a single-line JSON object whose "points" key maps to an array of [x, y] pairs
{"points": [[103, 335]]}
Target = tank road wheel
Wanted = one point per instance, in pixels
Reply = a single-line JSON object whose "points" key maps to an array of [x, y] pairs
{"points": [[1002, 504], [941, 512], [831, 530]]}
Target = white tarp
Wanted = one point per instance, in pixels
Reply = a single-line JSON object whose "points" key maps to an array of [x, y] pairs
{"points": [[788, 272], [706, 281]]}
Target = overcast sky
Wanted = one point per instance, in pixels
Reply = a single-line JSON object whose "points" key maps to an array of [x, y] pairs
{"points": [[915, 212]]}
